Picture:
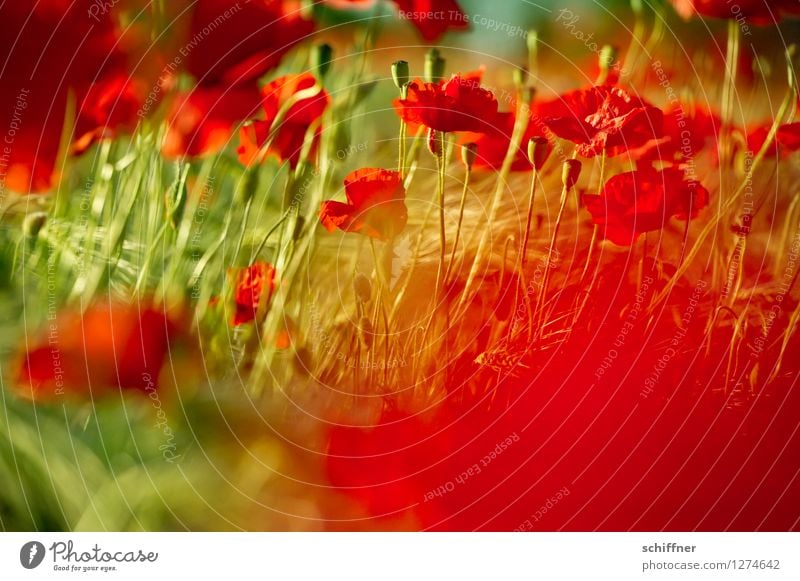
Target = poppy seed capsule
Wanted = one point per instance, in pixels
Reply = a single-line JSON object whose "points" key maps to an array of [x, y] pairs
{"points": [[362, 288], [434, 66], [570, 172], [435, 142], [469, 153], [400, 74], [537, 151]]}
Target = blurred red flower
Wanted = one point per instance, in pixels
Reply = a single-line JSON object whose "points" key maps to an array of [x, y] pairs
{"points": [[110, 105], [38, 74], [493, 145], [291, 133], [201, 120], [109, 346], [787, 139], [376, 205], [252, 289], [235, 42], [688, 129], [459, 104], [432, 18], [757, 11], [640, 201], [789, 136], [605, 118]]}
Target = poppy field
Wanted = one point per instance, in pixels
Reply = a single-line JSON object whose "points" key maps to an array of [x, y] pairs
{"points": [[378, 265]]}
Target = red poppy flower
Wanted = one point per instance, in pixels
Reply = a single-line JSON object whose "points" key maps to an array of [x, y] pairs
{"points": [[473, 77], [687, 132], [459, 104], [291, 135], [231, 42], [109, 346], [787, 140], [757, 11], [433, 18], [604, 118], [37, 76], [201, 121], [789, 136], [252, 288], [493, 145], [110, 105], [376, 205], [642, 201]]}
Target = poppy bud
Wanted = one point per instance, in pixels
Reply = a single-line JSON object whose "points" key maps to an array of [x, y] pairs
{"points": [[33, 224], [400, 74], [570, 172], [434, 66], [468, 154], [321, 59], [537, 151], [362, 288], [435, 142]]}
